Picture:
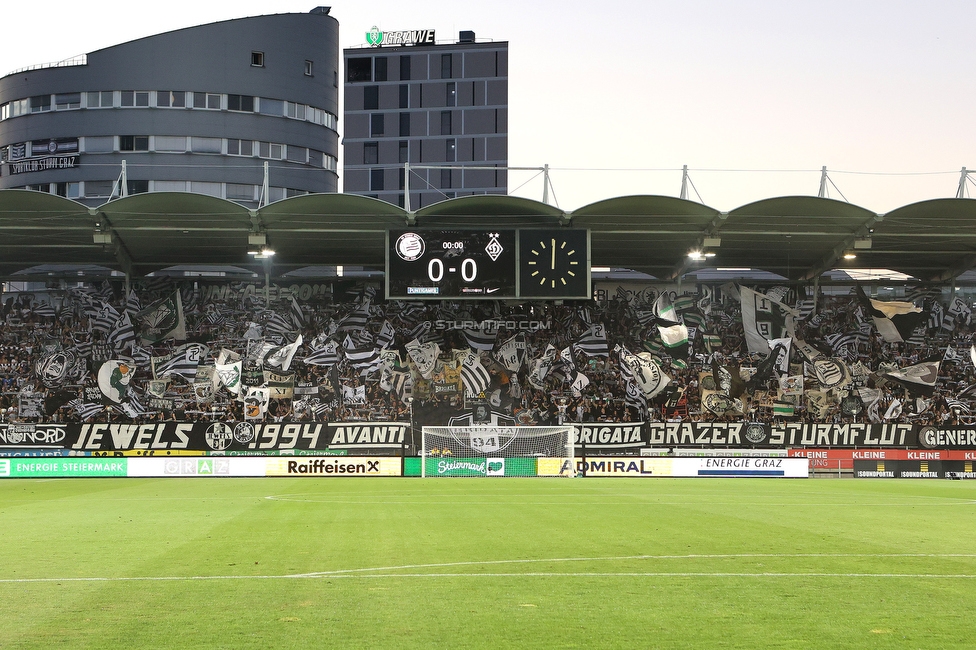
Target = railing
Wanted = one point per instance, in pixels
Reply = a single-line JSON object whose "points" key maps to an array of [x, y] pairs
{"points": [[81, 59]]}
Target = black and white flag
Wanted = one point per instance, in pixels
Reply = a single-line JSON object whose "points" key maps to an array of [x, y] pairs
{"points": [[473, 375], [593, 342], [920, 378], [895, 320]]}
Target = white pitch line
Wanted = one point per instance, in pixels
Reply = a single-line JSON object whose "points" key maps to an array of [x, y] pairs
{"points": [[533, 574], [369, 571]]}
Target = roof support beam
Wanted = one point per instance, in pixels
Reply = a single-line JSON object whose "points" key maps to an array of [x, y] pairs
{"points": [[831, 258], [951, 274]]}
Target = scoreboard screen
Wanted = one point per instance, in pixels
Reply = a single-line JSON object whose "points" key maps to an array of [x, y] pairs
{"points": [[451, 264]]}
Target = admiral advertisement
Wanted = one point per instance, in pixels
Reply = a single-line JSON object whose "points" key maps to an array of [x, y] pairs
{"points": [[726, 467]]}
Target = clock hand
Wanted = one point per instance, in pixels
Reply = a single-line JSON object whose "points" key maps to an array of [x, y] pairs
{"points": [[553, 254]]}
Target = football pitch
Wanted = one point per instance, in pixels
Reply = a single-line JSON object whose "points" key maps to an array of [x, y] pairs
{"points": [[487, 563]]}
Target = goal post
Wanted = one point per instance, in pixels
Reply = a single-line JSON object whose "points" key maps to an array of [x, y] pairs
{"points": [[497, 451]]}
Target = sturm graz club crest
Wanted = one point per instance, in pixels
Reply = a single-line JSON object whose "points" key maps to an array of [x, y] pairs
{"points": [[219, 436], [244, 432], [755, 433]]}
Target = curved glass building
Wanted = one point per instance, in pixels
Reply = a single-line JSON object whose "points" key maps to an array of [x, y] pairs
{"points": [[241, 109]]}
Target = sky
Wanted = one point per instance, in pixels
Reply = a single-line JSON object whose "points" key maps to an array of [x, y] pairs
{"points": [[755, 97]]}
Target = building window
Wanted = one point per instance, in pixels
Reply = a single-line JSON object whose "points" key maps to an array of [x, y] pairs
{"points": [[358, 70], [98, 188], [271, 107], [405, 68], [375, 180], [209, 101], [445, 122], [296, 154], [404, 151], [376, 124], [240, 147], [371, 153], [244, 103], [137, 187], [404, 125], [446, 62], [99, 144], [170, 143], [451, 150], [134, 98], [257, 59], [379, 68], [67, 101], [103, 99], [308, 68], [40, 103], [240, 192], [170, 99], [402, 178], [404, 96], [371, 98], [445, 179], [451, 93], [133, 143], [270, 150], [206, 145]]}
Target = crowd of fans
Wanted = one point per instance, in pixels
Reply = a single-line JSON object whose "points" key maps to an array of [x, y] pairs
{"points": [[532, 388]]}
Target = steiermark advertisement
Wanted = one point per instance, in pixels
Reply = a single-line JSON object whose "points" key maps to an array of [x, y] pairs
{"points": [[472, 467], [62, 467]]}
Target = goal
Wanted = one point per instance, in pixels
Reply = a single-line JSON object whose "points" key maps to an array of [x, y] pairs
{"points": [[497, 451]]}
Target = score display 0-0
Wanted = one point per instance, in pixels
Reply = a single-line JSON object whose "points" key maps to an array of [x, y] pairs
{"points": [[485, 263]]}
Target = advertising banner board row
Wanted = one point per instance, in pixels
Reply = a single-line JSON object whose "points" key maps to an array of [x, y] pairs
{"points": [[613, 466], [243, 466]]}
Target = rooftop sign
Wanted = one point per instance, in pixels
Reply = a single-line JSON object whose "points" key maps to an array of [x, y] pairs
{"points": [[376, 38]]}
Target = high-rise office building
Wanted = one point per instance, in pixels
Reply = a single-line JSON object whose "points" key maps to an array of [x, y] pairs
{"points": [[441, 107], [200, 109]]}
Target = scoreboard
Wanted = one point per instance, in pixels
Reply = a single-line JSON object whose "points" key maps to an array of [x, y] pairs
{"points": [[488, 263]]}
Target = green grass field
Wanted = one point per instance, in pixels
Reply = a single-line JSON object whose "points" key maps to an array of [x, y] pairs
{"points": [[487, 563]]}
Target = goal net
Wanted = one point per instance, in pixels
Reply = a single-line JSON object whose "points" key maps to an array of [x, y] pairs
{"points": [[497, 451]]}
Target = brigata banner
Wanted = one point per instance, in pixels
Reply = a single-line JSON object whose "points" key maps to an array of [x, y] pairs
{"points": [[611, 437]]}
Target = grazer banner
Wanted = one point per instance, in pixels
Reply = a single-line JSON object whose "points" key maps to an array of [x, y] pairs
{"points": [[755, 434]]}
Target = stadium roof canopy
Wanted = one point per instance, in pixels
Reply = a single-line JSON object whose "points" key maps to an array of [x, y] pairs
{"points": [[797, 237]]}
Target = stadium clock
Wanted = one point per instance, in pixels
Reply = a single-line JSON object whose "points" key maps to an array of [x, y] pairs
{"points": [[554, 263], [450, 264]]}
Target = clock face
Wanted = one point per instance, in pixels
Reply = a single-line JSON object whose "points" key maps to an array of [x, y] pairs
{"points": [[554, 263]]}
